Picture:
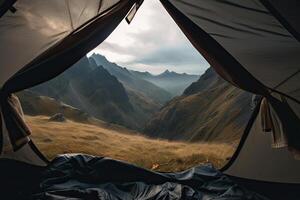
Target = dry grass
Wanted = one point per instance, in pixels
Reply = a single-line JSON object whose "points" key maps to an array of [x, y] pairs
{"points": [[54, 138]]}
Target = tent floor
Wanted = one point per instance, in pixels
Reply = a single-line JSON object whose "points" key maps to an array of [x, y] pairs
{"points": [[106, 176], [276, 191]]}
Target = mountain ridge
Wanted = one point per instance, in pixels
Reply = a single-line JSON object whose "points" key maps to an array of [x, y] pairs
{"points": [[92, 89], [173, 82], [210, 109], [133, 82]]}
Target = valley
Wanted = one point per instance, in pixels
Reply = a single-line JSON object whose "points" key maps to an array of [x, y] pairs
{"points": [[165, 122]]}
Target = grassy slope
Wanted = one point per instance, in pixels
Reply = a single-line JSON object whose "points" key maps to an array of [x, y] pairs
{"points": [[117, 142], [216, 111]]}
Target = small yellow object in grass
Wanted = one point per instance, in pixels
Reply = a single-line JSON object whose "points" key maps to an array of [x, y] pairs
{"points": [[155, 166]]}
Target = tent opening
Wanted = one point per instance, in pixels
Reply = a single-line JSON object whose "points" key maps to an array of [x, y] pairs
{"points": [[145, 96]]}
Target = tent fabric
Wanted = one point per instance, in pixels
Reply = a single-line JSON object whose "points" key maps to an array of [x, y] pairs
{"points": [[38, 25], [13, 120], [287, 13], [271, 123], [252, 35], [256, 160], [27, 152], [251, 52], [5, 6], [88, 177], [65, 47], [272, 190], [133, 11]]}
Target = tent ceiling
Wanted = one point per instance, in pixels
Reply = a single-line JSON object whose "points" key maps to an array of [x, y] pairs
{"points": [[287, 12], [38, 25], [253, 36]]}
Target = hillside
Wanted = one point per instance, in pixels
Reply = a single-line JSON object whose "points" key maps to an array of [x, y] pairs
{"points": [[34, 104], [174, 83], [54, 138], [92, 89], [209, 110], [132, 82]]}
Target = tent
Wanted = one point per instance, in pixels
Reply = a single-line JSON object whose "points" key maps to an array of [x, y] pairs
{"points": [[253, 44]]}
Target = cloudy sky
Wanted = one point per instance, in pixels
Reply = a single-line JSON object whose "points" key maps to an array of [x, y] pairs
{"points": [[152, 42]]}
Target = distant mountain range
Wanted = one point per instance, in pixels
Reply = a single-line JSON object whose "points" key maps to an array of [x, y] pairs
{"points": [[132, 82], [172, 82], [208, 110], [108, 92]]}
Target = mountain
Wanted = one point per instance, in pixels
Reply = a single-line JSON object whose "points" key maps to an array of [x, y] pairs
{"points": [[210, 109], [172, 82], [132, 82], [92, 89]]}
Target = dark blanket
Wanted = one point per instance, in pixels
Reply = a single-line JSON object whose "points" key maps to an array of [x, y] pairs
{"points": [[87, 177], [92, 178]]}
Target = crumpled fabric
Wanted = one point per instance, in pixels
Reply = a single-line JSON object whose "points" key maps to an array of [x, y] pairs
{"points": [[94, 178]]}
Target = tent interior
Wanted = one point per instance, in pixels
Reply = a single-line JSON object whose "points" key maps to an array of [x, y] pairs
{"points": [[242, 114]]}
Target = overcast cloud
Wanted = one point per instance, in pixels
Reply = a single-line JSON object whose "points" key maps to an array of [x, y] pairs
{"points": [[152, 42]]}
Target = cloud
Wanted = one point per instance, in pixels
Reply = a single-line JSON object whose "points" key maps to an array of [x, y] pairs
{"points": [[152, 42], [171, 55]]}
